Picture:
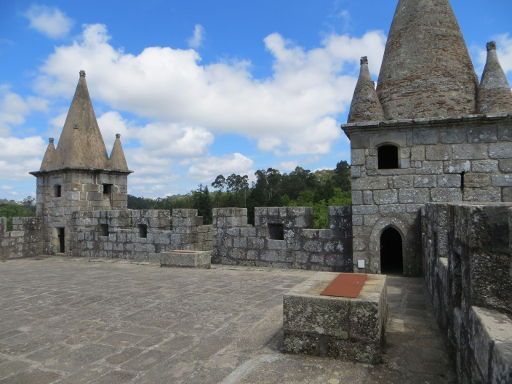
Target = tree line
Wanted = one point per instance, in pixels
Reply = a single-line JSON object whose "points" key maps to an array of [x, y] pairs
{"points": [[271, 188]]}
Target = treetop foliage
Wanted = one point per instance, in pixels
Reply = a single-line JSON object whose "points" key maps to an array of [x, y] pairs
{"points": [[300, 187]]}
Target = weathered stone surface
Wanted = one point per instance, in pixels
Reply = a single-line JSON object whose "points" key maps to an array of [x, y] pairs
{"points": [[365, 103], [426, 70], [470, 290], [186, 259], [351, 329], [494, 94]]}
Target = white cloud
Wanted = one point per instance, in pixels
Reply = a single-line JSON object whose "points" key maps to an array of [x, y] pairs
{"points": [[294, 111], [206, 169], [49, 21], [196, 40], [19, 156], [174, 140], [504, 43], [112, 123], [14, 108]]}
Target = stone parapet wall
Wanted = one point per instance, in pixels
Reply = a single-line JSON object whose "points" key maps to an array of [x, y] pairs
{"points": [[138, 235], [467, 256], [25, 239], [238, 243]]}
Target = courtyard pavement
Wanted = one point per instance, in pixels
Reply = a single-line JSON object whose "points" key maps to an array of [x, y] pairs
{"points": [[74, 321]]}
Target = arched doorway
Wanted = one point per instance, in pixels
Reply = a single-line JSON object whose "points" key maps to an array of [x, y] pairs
{"points": [[391, 254]]}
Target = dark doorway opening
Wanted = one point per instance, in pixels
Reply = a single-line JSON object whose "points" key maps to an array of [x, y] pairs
{"points": [[391, 254], [388, 157], [61, 233]]}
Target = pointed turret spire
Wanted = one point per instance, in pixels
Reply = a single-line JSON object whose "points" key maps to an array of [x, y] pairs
{"points": [[81, 144], [494, 95], [426, 71], [365, 103], [117, 159], [49, 158]]}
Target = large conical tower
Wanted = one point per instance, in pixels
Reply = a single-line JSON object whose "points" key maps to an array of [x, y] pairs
{"points": [[81, 144], [78, 175], [426, 71]]}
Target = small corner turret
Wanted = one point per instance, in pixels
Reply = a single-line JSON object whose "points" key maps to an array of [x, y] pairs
{"points": [[365, 103], [494, 95]]}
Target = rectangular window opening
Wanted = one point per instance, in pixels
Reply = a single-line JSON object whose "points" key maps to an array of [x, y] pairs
{"points": [[107, 189], [57, 190], [104, 230], [276, 231], [143, 231]]}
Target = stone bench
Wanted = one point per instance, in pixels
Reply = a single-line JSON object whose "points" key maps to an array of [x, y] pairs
{"points": [[186, 259], [344, 328]]}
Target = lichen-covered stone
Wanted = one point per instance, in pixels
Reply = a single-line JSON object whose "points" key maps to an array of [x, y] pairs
{"points": [[349, 329]]}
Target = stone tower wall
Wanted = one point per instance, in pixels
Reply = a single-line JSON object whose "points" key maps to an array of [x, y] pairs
{"points": [[81, 191], [239, 243], [434, 155]]}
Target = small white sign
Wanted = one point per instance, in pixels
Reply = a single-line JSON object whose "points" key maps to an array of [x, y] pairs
{"points": [[360, 264]]}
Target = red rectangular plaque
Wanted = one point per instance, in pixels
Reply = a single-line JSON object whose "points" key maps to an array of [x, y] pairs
{"points": [[346, 285]]}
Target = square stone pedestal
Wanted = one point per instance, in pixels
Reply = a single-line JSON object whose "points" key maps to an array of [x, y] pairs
{"points": [[344, 328], [186, 259]]}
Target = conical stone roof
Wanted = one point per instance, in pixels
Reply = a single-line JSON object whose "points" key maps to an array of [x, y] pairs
{"points": [[426, 71], [50, 157], [117, 160], [494, 95], [365, 103], [81, 144]]}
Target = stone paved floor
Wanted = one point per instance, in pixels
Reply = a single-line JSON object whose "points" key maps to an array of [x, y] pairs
{"points": [[68, 321]]}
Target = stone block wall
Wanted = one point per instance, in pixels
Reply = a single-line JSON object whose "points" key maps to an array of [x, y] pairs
{"points": [[440, 160], [468, 270], [138, 235], [25, 239], [80, 190], [281, 237]]}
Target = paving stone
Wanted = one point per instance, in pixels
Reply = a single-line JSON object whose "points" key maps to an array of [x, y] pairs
{"points": [[208, 326], [35, 376]]}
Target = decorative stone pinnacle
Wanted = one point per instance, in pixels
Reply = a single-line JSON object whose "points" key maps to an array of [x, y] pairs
{"points": [[82, 73], [118, 135], [364, 60], [491, 46], [51, 140]]}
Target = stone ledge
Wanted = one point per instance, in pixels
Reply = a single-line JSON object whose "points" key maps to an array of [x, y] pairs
{"points": [[344, 328], [186, 259]]}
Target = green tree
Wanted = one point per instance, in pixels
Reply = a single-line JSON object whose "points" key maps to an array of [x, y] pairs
{"points": [[203, 203]]}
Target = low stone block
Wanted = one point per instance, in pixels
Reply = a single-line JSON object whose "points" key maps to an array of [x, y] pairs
{"points": [[344, 328], [186, 259]]}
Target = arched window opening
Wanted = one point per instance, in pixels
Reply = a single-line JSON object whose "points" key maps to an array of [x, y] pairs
{"points": [[388, 157], [391, 254]]}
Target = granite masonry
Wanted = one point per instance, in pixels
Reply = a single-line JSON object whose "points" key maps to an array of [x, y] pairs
{"points": [[281, 237], [345, 328], [468, 264], [431, 178], [424, 136]]}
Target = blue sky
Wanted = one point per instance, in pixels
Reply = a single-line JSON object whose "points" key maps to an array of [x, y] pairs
{"points": [[198, 88]]}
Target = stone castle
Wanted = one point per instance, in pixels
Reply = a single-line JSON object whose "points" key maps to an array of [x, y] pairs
{"points": [[431, 163]]}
